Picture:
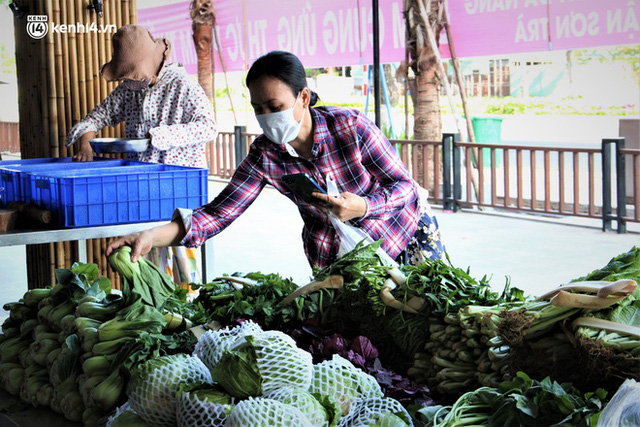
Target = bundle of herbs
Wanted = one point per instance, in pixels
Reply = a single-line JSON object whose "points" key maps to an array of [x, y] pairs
{"points": [[589, 325], [522, 401], [460, 349], [258, 297]]}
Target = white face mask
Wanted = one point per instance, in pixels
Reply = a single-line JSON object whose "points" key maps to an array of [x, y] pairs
{"points": [[281, 127]]}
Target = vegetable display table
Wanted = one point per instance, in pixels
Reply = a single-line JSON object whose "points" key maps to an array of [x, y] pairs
{"points": [[16, 413], [82, 234]]}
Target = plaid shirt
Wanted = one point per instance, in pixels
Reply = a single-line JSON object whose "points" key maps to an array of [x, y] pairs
{"points": [[350, 147]]}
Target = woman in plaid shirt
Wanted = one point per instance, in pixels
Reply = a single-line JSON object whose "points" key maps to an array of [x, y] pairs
{"points": [[377, 194]]}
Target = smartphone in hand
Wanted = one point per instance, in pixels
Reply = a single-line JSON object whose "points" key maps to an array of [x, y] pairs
{"points": [[302, 185]]}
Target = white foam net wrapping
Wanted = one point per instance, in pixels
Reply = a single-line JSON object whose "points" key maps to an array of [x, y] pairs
{"points": [[152, 391], [123, 417], [259, 411], [370, 410], [193, 411], [341, 380], [280, 362], [303, 400], [212, 344]]}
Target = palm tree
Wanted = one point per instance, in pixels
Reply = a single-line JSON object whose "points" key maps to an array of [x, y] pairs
{"points": [[424, 19], [202, 16]]}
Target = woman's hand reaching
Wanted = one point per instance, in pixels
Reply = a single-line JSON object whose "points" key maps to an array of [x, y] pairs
{"points": [[346, 206], [141, 243]]}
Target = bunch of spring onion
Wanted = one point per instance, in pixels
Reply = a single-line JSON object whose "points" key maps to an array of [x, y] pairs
{"points": [[461, 350], [522, 401]]}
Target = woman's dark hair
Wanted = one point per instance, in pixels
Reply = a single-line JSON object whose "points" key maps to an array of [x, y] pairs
{"points": [[284, 66]]}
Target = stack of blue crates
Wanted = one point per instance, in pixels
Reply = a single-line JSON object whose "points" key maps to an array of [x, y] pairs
{"points": [[103, 192]]}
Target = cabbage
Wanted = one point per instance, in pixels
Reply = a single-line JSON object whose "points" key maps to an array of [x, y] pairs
{"points": [[154, 385], [126, 417], [203, 405], [341, 380], [213, 344], [254, 364], [376, 412], [319, 410], [262, 412]]}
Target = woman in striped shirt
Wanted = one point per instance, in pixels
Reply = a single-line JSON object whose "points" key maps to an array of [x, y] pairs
{"points": [[377, 194]]}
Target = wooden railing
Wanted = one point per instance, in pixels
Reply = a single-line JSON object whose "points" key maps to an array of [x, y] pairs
{"points": [[556, 181], [9, 137]]}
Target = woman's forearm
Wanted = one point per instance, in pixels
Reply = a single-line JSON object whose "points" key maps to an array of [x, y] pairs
{"points": [[170, 234]]}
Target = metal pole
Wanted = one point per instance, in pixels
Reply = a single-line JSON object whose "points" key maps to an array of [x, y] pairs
{"points": [[376, 61], [621, 186], [447, 196], [240, 143], [457, 161], [606, 185]]}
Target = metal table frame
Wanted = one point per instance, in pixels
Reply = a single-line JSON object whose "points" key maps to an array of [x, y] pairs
{"points": [[82, 234]]}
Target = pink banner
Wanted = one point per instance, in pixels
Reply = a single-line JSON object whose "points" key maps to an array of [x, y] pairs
{"points": [[320, 33], [339, 32], [499, 27]]}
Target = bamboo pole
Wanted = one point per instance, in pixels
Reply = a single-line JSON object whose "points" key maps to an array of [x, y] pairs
{"points": [[118, 13], [133, 12], [89, 249], [66, 81], [88, 62], [74, 75], [96, 252], [81, 64], [53, 96], [100, 39], [103, 256], [52, 263], [95, 61], [59, 82]]}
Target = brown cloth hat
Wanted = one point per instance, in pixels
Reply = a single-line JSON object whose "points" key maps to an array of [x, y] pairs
{"points": [[136, 54]]}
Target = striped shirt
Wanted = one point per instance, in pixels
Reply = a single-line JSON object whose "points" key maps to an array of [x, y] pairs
{"points": [[348, 146]]}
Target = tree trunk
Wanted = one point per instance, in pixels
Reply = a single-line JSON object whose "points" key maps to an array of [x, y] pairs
{"points": [[427, 120], [202, 26], [202, 41], [426, 96]]}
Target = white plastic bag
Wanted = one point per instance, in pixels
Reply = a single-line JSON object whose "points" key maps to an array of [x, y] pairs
{"points": [[351, 236], [623, 410]]}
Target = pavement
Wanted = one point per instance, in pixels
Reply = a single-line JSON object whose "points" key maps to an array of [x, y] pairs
{"points": [[535, 253]]}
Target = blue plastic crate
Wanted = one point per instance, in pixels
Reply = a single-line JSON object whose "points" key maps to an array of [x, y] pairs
{"points": [[47, 197], [12, 172], [122, 195], [42, 187]]}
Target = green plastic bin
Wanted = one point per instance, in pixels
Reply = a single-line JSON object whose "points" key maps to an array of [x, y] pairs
{"points": [[488, 130]]}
